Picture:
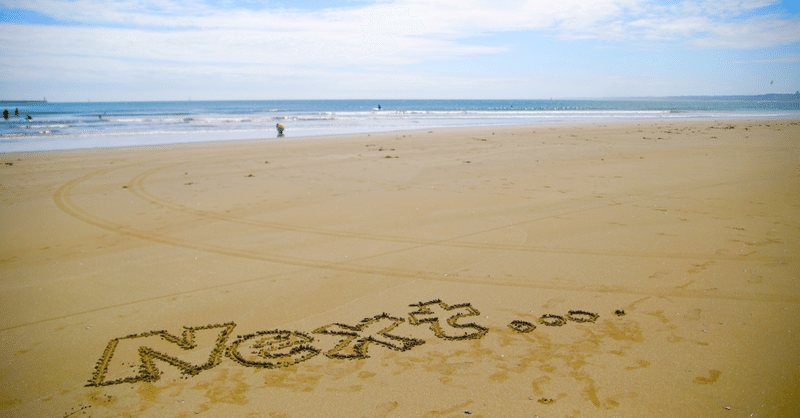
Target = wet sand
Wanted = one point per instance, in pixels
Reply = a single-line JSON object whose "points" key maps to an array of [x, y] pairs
{"points": [[608, 269]]}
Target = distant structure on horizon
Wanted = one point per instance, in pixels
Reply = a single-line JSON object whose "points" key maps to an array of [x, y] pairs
{"points": [[44, 100], [771, 97]]}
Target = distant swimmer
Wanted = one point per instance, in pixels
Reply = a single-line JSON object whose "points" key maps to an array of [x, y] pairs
{"points": [[379, 107], [16, 112], [29, 117], [5, 114], [280, 129]]}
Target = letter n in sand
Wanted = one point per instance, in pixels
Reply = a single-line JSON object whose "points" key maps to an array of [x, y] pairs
{"points": [[195, 350]]}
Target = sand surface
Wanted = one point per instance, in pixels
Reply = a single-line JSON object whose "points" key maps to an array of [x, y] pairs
{"points": [[625, 269]]}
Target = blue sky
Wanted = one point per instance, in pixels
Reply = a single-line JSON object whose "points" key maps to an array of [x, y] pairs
{"points": [[79, 50]]}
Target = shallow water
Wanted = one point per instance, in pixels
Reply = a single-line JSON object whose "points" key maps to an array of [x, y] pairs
{"points": [[94, 125]]}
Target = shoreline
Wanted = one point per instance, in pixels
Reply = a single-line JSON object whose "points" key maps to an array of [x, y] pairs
{"points": [[217, 142], [591, 268]]}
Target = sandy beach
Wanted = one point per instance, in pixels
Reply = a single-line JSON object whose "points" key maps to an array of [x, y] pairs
{"points": [[623, 269]]}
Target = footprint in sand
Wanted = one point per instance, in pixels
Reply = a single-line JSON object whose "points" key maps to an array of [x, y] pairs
{"points": [[713, 377]]}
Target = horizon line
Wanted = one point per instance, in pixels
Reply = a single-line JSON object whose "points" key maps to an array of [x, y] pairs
{"points": [[701, 96]]}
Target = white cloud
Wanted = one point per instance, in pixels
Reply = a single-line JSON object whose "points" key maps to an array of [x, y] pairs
{"points": [[135, 40], [756, 32], [387, 28], [784, 59]]}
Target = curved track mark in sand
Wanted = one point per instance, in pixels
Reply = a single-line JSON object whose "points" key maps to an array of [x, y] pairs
{"points": [[63, 199], [136, 186]]}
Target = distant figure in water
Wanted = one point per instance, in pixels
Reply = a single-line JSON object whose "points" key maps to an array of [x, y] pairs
{"points": [[16, 112], [379, 107], [280, 129], [5, 114], [29, 117]]}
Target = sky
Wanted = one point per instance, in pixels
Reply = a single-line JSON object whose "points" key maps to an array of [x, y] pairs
{"points": [[148, 50]]}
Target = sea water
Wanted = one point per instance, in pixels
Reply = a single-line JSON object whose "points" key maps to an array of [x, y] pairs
{"points": [[54, 126]]}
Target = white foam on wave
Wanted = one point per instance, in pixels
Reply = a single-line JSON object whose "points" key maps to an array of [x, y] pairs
{"points": [[87, 130]]}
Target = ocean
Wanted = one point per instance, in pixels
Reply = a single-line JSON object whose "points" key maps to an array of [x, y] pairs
{"points": [[55, 126]]}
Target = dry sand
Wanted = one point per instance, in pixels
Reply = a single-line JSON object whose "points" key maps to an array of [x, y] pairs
{"points": [[517, 244]]}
